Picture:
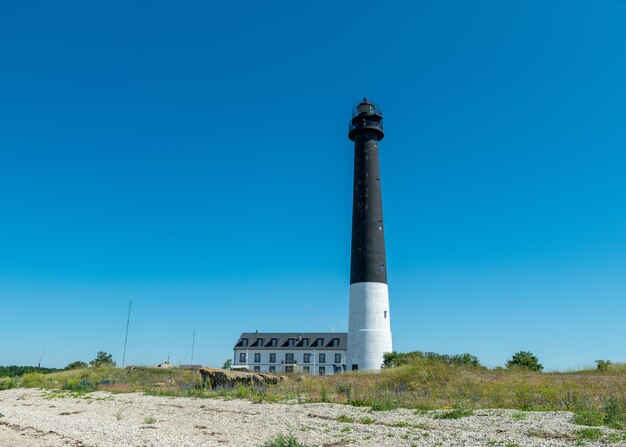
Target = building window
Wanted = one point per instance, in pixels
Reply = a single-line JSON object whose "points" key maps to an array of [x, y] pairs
{"points": [[322, 371], [273, 357], [257, 357], [306, 358], [322, 358], [242, 357], [273, 342], [337, 358], [306, 369], [319, 342], [290, 342], [272, 369], [289, 358], [305, 342], [244, 342], [334, 342], [259, 342], [257, 369]]}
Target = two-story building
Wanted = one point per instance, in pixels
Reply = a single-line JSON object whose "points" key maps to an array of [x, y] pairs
{"points": [[312, 353]]}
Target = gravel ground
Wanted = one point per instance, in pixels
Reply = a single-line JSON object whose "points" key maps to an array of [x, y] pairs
{"points": [[32, 417]]}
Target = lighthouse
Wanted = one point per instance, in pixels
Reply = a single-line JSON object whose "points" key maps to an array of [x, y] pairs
{"points": [[369, 328]]}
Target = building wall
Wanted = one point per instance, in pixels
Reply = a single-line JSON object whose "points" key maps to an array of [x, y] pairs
{"points": [[265, 365]]}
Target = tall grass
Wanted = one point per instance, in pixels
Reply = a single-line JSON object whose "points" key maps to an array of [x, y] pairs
{"points": [[598, 397]]}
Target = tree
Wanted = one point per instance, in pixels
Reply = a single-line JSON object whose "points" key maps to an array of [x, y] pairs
{"points": [[524, 360], [228, 364], [76, 365], [102, 359]]}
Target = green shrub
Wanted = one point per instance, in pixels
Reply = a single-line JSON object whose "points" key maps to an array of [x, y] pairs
{"points": [[589, 417], [603, 365], [6, 383], [457, 413], [344, 418], [281, 440], [32, 380], [614, 413], [102, 359], [524, 360], [76, 365], [589, 434]]}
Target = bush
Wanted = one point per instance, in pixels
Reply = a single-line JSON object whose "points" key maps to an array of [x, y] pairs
{"points": [[281, 440], [614, 413], [102, 359], [6, 383], [589, 417], [395, 359], [524, 360], [32, 380], [603, 365], [76, 365], [457, 413]]}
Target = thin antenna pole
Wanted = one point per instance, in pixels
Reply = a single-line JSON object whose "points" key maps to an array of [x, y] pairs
{"points": [[40, 358], [126, 336], [193, 343]]}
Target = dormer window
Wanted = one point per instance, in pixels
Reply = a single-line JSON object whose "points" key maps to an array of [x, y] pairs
{"points": [[259, 342], [273, 342], [319, 342], [244, 342], [334, 342], [290, 342], [305, 342]]}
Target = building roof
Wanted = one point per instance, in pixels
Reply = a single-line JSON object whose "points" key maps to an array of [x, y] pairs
{"points": [[292, 340]]}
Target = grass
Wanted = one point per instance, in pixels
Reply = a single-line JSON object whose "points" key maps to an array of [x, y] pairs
{"points": [[282, 440], [149, 420], [457, 413], [519, 416], [345, 419], [596, 397], [589, 434]]}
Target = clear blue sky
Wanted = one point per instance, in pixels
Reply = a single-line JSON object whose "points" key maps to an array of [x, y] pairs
{"points": [[193, 157]]}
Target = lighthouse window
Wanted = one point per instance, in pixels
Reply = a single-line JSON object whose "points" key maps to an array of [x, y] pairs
{"points": [[380, 224], [385, 314], [382, 267]]}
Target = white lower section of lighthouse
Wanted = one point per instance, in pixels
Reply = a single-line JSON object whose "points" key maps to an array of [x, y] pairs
{"points": [[369, 328]]}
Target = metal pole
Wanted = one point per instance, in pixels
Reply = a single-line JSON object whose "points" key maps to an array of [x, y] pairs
{"points": [[193, 343], [126, 336]]}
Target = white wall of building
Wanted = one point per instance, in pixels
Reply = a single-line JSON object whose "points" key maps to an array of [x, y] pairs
{"points": [[299, 365]]}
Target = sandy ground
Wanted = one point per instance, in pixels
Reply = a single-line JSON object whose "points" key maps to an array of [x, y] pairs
{"points": [[40, 418]]}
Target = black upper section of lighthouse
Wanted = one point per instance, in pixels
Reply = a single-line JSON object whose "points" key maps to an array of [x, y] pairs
{"points": [[368, 239]]}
